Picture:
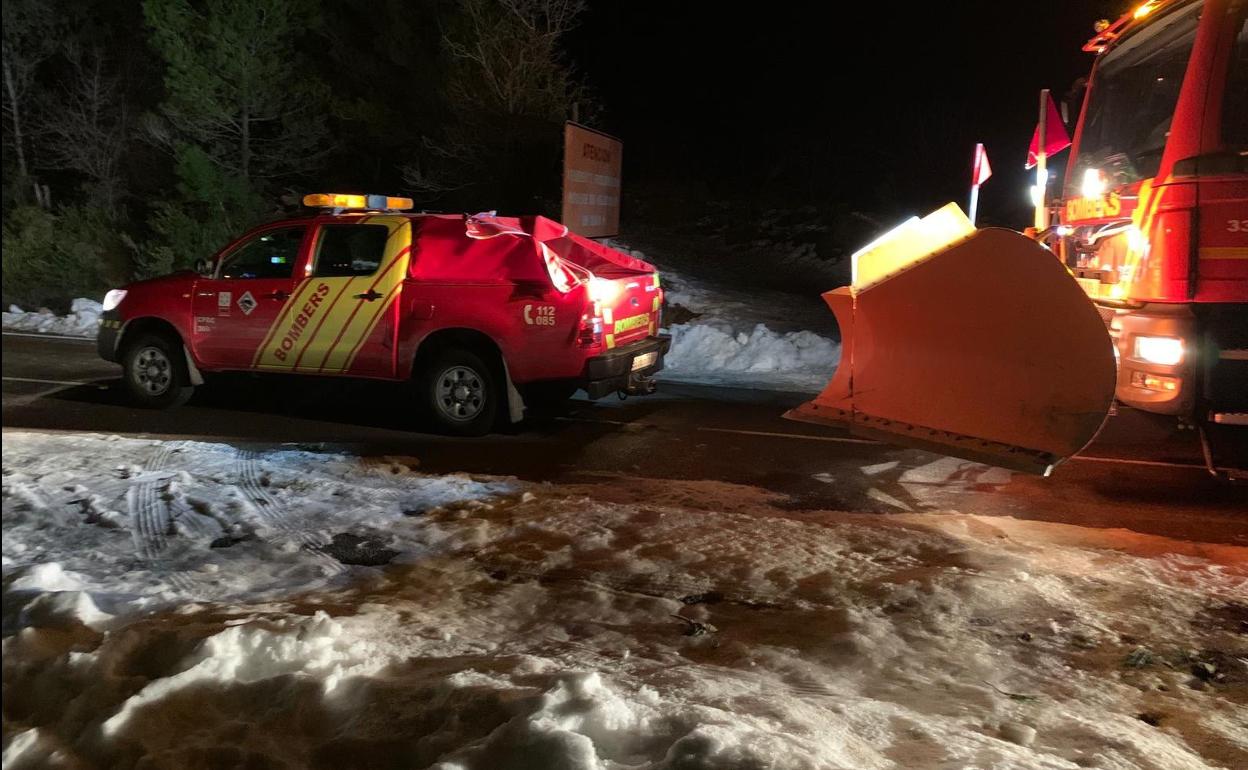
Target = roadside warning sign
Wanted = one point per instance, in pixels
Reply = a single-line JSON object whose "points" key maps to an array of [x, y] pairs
{"points": [[591, 181]]}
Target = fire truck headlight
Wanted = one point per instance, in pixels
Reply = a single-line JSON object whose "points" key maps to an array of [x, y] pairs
{"points": [[113, 298], [1093, 183], [1166, 351]]}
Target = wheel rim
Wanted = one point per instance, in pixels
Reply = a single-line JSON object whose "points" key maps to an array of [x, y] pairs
{"points": [[460, 393], [152, 371]]}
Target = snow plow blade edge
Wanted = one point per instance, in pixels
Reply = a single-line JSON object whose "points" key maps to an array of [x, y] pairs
{"points": [[985, 348]]}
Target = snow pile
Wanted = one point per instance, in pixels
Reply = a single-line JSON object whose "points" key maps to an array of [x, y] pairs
{"points": [[745, 338], [715, 353], [83, 319], [549, 630]]}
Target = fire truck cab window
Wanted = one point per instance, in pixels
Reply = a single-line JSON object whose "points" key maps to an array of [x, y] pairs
{"points": [[271, 254], [350, 250], [1135, 89]]}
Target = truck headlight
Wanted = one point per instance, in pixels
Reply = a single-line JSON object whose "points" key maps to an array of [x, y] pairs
{"points": [[113, 298], [1166, 351]]}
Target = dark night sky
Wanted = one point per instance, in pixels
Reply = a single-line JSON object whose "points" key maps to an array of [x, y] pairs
{"points": [[801, 100]]}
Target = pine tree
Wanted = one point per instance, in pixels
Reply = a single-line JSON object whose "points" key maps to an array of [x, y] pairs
{"points": [[241, 109], [236, 85]]}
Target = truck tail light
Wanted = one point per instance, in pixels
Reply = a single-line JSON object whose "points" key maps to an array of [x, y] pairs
{"points": [[590, 332]]}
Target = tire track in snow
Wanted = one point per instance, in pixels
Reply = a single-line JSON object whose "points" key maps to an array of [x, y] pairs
{"points": [[150, 514], [268, 508]]}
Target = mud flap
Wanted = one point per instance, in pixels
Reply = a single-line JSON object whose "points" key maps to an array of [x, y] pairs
{"points": [[973, 343]]}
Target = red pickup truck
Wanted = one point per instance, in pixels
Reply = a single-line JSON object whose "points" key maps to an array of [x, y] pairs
{"points": [[481, 313]]}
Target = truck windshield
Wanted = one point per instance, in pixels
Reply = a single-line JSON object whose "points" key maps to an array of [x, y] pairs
{"points": [[1134, 92]]}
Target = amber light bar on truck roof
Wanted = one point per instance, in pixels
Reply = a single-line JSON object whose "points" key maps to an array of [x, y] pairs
{"points": [[1106, 33], [350, 201]]}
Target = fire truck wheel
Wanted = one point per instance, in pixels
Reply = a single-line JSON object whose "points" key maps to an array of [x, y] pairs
{"points": [[460, 393], [153, 372]]}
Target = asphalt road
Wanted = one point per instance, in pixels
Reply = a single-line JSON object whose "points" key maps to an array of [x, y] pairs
{"points": [[1141, 474]]}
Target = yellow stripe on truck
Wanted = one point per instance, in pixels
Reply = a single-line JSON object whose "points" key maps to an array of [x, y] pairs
{"points": [[1224, 252]]}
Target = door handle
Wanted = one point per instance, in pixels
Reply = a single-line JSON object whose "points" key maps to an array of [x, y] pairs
{"points": [[279, 294], [369, 295]]}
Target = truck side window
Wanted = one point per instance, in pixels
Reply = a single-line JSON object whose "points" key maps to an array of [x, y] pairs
{"points": [[350, 250], [1235, 107], [271, 254]]}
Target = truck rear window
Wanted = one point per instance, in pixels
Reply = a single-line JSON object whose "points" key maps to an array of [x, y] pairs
{"points": [[350, 250]]}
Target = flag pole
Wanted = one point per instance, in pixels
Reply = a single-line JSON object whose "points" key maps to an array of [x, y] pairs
{"points": [[1042, 173], [980, 171]]}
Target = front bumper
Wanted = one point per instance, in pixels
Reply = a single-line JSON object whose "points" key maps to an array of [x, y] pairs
{"points": [[613, 371], [109, 334]]}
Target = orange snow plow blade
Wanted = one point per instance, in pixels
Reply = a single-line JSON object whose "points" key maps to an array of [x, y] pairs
{"points": [[973, 343]]}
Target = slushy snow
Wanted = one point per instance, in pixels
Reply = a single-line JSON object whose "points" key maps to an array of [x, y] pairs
{"points": [[83, 319], [682, 625]]}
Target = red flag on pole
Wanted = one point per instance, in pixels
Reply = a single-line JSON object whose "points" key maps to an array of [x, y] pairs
{"points": [[1055, 138], [980, 170]]}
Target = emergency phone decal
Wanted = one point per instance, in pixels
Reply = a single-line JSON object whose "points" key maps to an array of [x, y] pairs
{"points": [[541, 315], [246, 303]]}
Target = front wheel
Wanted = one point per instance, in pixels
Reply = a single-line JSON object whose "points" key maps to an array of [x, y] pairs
{"points": [[154, 373], [460, 393]]}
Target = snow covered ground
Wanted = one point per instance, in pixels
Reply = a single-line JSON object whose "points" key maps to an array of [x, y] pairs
{"points": [[743, 337], [177, 604], [83, 319]]}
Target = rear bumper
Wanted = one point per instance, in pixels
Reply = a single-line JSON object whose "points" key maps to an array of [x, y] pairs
{"points": [[108, 335], [613, 370]]}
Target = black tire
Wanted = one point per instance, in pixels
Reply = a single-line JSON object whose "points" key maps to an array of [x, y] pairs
{"points": [[549, 395], [460, 393], [154, 371]]}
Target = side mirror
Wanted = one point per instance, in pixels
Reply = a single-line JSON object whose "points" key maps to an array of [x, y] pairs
{"points": [[203, 267]]}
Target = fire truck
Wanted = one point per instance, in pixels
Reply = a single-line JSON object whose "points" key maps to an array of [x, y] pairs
{"points": [[1010, 348], [482, 314]]}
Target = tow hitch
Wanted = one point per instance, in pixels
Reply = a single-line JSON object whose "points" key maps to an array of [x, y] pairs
{"points": [[638, 385]]}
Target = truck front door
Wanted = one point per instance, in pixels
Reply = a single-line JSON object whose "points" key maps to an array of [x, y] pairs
{"points": [[235, 310]]}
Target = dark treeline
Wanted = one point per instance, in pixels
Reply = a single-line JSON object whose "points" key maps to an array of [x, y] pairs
{"points": [[141, 135]]}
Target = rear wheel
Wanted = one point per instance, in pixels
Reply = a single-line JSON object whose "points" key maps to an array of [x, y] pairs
{"points": [[460, 393], [154, 373]]}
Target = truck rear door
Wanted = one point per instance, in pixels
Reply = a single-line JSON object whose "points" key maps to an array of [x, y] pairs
{"points": [[630, 307]]}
